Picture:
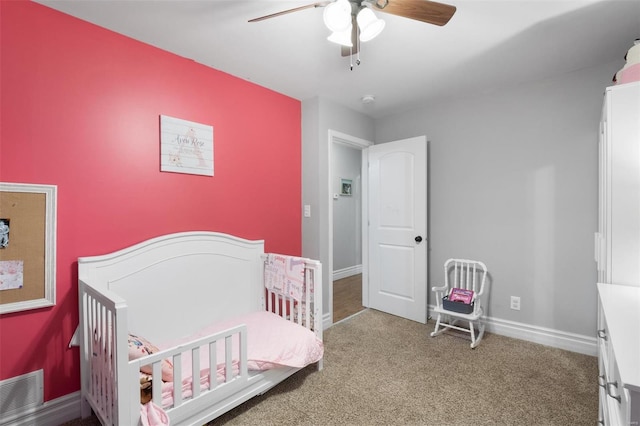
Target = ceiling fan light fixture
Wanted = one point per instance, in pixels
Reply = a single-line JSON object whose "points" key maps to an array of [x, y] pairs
{"points": [[342, 38], [337, 15], [369, 25]]}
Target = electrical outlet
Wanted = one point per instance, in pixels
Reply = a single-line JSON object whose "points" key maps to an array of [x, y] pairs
{"points": [[515, 303]]}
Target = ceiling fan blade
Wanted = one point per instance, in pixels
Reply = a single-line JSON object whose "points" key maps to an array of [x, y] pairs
{"points": [[295, 9], [430, 12], [348, 51]]}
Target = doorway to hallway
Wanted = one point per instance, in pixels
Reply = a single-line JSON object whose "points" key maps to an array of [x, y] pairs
{"points": [[347, 297]]}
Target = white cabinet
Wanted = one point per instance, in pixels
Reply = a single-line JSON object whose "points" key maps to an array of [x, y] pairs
{"points": [[618, 237], [619, 354], [617, 253]]}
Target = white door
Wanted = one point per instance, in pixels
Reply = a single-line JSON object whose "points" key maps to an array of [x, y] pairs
{"points": [[397, 233]]}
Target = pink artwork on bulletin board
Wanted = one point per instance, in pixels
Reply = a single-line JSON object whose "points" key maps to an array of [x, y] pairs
{"points": [[11, 274]]}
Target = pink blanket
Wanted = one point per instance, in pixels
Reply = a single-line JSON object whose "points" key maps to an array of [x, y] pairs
{"points": [[272, 342], [152, 415]]}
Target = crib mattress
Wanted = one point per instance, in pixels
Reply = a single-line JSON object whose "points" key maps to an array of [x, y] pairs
{"points": [[272, 342]]}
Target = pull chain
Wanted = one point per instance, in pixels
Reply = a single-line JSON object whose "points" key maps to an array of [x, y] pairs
{"points": [[357, 47], [351, 60]]}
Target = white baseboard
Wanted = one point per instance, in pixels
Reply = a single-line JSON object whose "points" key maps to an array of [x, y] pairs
{"points": [[555, 338], [51, 413], [326, 321], [579, 343], [347, 272], [586, 345]]}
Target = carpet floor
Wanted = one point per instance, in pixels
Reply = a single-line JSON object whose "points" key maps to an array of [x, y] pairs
{"points": [[383, 370], [380, 369]]}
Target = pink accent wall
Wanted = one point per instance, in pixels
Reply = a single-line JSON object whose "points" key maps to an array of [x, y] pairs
{"points": [[80, 109]]}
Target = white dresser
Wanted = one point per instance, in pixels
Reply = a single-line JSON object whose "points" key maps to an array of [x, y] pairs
{"points": [[619, 354]]}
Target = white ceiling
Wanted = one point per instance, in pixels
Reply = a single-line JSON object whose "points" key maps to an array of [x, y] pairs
{"points": [[486, 45]]}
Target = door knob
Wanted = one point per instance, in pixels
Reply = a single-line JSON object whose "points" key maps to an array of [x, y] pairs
{"points": [[418, 239]]}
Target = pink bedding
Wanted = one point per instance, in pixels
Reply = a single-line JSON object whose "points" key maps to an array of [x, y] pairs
{"points": [[272, 342]]}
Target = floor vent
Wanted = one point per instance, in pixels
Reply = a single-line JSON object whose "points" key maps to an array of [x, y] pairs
{"points": [[21, 393]]}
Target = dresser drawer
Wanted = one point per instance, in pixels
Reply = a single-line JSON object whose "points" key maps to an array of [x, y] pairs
{"points": [[618, 352], [617, 398], [609, 400], [604, 342]]}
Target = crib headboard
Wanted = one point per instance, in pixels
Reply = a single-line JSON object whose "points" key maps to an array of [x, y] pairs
{"points": [[178, 283]]}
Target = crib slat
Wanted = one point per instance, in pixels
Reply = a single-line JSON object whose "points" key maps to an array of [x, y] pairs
{"points": [[103, 387], [92, 346], [97, 352], [213, 362], [91, 340], [106, 385], [95, 349], [156, 385], [195, 372], [111, 356], [291, 310], [228, 356], [308, 288], [103, 362], [177, 378], [242, 338], [278, 305]]}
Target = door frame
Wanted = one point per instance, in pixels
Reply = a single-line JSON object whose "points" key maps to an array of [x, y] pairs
{"points": [[362, 145]]}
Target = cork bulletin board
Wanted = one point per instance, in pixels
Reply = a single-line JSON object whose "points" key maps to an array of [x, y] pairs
{"points": [[27, 246]]}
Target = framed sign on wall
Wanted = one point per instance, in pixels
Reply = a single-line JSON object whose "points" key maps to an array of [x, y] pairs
{"points": [[27, 246], [185, 146]]}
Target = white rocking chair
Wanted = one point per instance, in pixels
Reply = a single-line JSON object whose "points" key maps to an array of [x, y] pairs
{"points": [[468, 275]]}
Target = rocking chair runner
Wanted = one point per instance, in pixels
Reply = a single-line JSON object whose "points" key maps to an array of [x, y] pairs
{"points": [[468, 275]]}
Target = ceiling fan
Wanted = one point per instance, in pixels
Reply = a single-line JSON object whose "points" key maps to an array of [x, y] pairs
{"points": [[352, 21]]}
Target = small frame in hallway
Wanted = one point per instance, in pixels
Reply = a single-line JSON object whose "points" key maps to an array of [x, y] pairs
{"points": [[345, 187]]}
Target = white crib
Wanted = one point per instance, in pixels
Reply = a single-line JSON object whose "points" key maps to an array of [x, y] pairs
{"points": [[165, 289]]}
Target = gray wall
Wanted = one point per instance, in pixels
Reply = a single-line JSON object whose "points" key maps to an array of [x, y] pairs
{"points": [[513, 182], [318, 117], [347, 210]]}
